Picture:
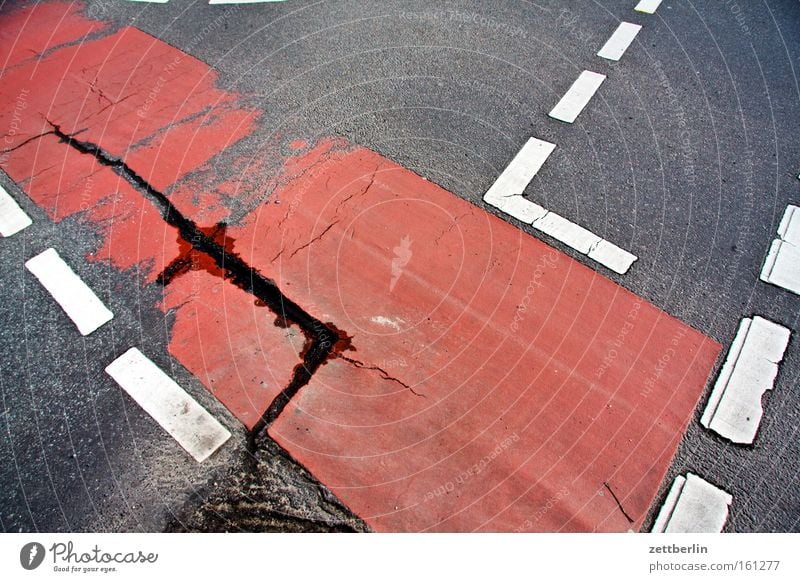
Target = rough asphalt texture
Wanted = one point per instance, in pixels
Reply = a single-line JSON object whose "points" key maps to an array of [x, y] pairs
{"points": [[687, 157]]}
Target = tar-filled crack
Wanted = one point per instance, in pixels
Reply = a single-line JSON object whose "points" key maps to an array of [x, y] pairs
{"points": [[320, 338], [619, 503], [384, 374]]}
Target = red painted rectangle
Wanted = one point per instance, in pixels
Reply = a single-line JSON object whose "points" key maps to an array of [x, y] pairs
{"points": [[489, 382]]}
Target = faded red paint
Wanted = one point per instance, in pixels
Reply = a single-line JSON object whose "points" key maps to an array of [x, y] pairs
{"points": [[26, 34], [468, 337], [160, 110], [209, 196], [109, 91], [65, 182], [137, 97], [189, 145]]}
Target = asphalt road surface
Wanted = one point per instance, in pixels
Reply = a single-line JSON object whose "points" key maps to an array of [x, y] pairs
{"points": [[687, 158]]}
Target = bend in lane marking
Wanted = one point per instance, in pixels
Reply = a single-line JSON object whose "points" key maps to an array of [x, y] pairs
{"points": [[191, 425], [693, 505], [734, 409], [619, 42], [506, 192], [648, 6], [506, 195], [74, 296], [12, 218], [577, 96]]}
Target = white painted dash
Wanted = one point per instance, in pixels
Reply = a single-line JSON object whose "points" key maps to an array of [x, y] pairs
{"points": [[12, 218], [648, 6], [693, 505], [734, 408], [577, 96], [506, 194], [619, 42], [74, 296], [782, 265], [191, 425]]}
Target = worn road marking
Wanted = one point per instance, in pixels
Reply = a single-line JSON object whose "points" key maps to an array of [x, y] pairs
{"points": [[577, 96], [693, 505], [170, 406], [734, 409], [619, 42], [73, 295], [12, 218], [648, 6], [506, 195], [231, 345], [782, 265]]}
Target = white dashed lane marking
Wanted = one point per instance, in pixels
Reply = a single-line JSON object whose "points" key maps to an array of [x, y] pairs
{"points": [[734, 409], [12, 218], [577, 96], [782, 266], [693, 505], [619, 42], [648, 6], [73, 295], [191, 425], [506, 195]]}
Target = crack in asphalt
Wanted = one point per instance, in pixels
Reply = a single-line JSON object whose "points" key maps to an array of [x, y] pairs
{"points": [[25, 142], [305, 245], [320, 338], [384, 374]]}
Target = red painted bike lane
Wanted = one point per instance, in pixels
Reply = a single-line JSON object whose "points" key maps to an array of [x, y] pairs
{"points": [[484, 381], [488, 382]]}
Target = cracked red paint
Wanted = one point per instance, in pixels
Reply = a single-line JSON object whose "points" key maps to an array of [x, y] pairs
{"points": [[64, 183], [160, 110], [26, 34], [478, 387], [231, 343]]}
